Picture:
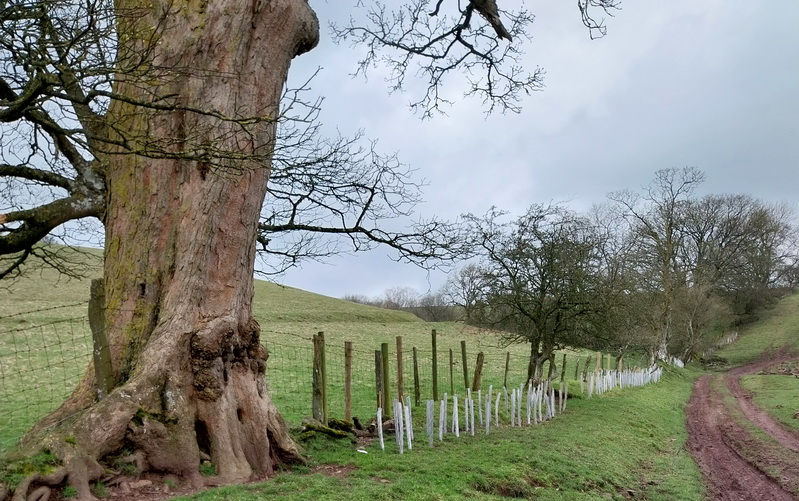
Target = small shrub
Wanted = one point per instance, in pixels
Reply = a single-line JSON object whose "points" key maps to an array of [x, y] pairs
{"points": [[125, 467], [13, 472], [207, 469], [100, 490]]}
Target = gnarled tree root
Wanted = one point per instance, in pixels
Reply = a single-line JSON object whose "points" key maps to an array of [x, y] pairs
{"points": [[168, 418]]}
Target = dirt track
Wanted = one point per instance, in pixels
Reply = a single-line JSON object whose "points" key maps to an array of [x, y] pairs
{"points": [[732, 459]]}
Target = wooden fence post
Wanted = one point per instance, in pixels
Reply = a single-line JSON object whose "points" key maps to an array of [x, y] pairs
{"points": [[348, 380], [435, 366], [103, 371], [317, 410], [609, 366], [478, 371], [563, 369], [598, 366], [577, 369], [387, 410], [417, 392], [465, 367], [507, 367], [324, 379], [400, 376], [451, 373], [379, 379]]}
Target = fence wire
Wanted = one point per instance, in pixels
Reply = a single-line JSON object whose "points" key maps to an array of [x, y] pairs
{"points": [[39, 368], [41, 365]]}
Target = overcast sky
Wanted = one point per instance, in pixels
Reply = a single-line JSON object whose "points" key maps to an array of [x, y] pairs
{"points": [[706, 83]]}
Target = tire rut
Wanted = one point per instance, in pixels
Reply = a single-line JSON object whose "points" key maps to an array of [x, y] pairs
{"points": [[712, 433]]}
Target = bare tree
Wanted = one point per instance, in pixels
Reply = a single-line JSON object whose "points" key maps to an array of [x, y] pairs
{"points": [[539, 272], [700, 318], [703, 258], [399, 298], [357, 298], [625, 320], [739, 248], [434, 307], [437, 39], [654, 217], [466, 288]]}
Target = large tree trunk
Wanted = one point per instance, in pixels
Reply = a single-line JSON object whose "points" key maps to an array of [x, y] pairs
{"points": [[180, 242]]}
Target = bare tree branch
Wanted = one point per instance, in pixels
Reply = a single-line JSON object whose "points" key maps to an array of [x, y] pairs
{"points": [[32, 174], [409, 40], [36, 223], [596, 28]]}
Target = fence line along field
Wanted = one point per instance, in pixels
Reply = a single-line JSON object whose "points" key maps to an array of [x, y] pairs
{"points": [[41, 363], [45, 351]]}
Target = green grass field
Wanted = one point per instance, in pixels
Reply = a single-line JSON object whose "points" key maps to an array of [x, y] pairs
{"points": [[777, 395], [44, 351], [625, 444]]}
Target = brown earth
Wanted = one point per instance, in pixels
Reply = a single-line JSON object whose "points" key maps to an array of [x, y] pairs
{"points": [[737, 462]]}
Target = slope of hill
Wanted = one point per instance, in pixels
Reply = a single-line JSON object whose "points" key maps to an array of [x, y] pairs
{"points": [[777, 327], [281, 303], [53, 296]]}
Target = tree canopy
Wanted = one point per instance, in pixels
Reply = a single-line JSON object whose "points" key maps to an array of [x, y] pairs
{"points": [[661, 270]]}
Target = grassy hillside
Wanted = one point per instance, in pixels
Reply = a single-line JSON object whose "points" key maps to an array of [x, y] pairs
{"points": [[621, 445], [777, 327], [45, 345], [45, 288]]}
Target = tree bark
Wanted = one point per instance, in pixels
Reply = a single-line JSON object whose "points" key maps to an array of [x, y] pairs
{"points": [[180, 245]]}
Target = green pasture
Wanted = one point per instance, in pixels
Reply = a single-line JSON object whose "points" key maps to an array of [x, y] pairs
{"points": [[45, 346], [777, 327], [623, 445], [755, 445], [626, 444]]}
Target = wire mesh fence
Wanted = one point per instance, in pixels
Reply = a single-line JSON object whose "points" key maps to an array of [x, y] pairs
{"points": [[40, 365]]}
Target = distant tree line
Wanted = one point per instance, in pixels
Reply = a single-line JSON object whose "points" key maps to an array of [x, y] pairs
{"points": [[431, 307], [660, 271]]}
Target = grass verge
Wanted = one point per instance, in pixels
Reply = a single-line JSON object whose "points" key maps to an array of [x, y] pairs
{"points": [[776, 394], [624, 444], [755, 445]]}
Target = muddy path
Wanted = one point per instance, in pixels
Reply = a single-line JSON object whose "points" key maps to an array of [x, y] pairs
{"points": [[732, 459]]}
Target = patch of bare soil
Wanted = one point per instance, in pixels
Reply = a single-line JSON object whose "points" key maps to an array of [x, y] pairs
{"points": [[334, 470], [734, 463], [782, 369], [149, 487]]}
